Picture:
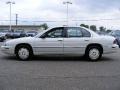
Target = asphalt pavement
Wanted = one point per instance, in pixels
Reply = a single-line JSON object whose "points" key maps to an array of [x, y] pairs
{"points": [[60, 73]]}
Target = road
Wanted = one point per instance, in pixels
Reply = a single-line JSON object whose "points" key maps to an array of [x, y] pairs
{"points": [[58, 73]]}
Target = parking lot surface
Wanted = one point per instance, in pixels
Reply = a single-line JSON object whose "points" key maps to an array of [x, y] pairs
{"points": [[59, 73]]}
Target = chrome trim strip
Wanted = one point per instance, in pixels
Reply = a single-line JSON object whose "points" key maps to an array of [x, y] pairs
{"points": [[58, 47]]}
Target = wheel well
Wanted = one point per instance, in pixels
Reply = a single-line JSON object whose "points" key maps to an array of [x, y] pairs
{"points": [[23, 44], [95, 44]]}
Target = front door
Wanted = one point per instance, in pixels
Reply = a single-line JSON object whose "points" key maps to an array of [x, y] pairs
{"points": [[50, 43]]}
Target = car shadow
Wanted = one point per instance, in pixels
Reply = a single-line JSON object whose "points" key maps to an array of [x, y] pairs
{"points": [[43, 58]]}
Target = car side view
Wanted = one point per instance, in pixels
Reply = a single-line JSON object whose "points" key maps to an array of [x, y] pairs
{"points": [[67, 41]]}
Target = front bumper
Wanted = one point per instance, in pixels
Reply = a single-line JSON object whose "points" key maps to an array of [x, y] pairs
{"points": [[111, 49], [7, 50]]}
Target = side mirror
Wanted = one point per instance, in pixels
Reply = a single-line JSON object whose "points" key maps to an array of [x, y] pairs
{"points": [[43, 36]]}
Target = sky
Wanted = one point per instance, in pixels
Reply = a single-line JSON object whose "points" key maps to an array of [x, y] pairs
{"points": [[92, 12]]}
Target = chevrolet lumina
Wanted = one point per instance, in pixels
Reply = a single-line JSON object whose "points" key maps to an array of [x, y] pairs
{"points": [[66, 41]]}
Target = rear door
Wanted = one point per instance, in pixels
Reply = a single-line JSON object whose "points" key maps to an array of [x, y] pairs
{"points": [[76, 40]]}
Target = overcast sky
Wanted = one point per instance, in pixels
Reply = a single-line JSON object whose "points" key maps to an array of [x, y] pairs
{"points": [[98, 12]]}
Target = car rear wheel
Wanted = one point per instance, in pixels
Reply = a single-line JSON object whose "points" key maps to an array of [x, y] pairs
{"points": [[24, 52], [94, 53]]}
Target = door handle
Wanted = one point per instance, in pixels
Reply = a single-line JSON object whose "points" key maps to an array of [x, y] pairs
{"points": [[60, 40], [86, 40]]}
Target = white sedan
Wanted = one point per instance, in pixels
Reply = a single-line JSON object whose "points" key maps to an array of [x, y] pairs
{"points": [[66, 41]]}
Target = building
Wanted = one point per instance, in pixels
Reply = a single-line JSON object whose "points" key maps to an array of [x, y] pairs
{"points": [[22, 27]]}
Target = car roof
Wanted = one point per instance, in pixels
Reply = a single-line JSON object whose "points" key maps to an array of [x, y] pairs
{"points": [[92, 32], [73, 27]]}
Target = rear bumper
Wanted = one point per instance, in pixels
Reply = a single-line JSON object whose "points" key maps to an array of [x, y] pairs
{"points": [[111, 49]]}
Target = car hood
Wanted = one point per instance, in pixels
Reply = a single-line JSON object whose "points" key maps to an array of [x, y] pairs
{"points": [[21, 40]]}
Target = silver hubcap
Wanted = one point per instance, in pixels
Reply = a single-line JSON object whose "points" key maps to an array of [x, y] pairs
{"points": [[94, 54], [23, 53]]}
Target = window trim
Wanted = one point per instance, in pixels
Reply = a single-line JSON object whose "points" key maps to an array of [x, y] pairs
{"points": [[44, 35]]}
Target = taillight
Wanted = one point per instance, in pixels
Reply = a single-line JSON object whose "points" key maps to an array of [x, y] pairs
{"points": [[115, 41]]}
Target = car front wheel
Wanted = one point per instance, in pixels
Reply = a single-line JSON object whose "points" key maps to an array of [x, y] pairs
{"points": [[24, 52], [94, 53]]}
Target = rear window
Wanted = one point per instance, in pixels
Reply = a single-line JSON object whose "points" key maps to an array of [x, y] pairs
{"points": [[85, 33]]}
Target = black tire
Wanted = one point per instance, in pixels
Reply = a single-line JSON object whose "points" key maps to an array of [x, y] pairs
{"points": [[25, 47], [89, 51]]}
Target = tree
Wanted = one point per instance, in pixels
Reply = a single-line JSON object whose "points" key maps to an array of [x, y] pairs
{"points": [[93, 27], [102, 29], [44, 26], [83, 25]]}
